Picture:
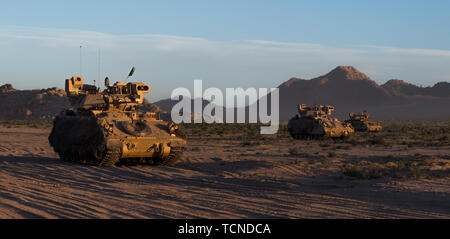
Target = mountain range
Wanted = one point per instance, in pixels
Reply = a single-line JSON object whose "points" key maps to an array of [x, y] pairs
{"points": [[350, 90], [346, 88]]}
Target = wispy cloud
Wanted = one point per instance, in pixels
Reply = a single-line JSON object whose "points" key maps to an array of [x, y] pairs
{"points": [[410, 51], [73, 38], [239, 63]]}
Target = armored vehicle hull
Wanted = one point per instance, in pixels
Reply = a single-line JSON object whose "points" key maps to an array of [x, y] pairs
{"points": [[307, 128], [315, 123], [103, 140], [366, 126]]}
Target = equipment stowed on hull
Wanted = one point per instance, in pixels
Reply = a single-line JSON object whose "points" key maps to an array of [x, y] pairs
{"points": [[102, 127]]}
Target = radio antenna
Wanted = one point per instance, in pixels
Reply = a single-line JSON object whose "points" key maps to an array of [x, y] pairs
{"points": [[81, 72], [98, 78]]}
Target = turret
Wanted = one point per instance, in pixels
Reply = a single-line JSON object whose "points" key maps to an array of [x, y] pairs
{"points": [[132, 91], [317, 111], [364, 116], [118, 97]]}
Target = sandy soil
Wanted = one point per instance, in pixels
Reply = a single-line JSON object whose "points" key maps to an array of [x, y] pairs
{"points": [[218, 178]]}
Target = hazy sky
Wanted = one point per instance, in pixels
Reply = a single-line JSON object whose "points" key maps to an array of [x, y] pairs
{"points": [[224, 43]]}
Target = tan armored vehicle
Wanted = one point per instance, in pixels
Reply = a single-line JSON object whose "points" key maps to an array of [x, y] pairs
{"points": [[315, 123], [360, 122], [102, 127]]}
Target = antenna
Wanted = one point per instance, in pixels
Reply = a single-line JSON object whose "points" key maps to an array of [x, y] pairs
{"points": [[81, 72], [98, 78]]}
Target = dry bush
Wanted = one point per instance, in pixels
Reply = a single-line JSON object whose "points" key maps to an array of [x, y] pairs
{"points": [[417, 167], [293, 151], [37, 124]]}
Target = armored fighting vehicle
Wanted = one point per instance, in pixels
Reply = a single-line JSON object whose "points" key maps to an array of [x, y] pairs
{"points": [[102, 127], [315, 123], [360, 122]]}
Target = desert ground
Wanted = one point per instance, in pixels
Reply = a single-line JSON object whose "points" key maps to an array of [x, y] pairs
{"points": [[231, 171]]}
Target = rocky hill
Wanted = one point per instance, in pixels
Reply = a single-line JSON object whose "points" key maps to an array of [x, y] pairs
{"points": [[31, 104], [402, 88]]}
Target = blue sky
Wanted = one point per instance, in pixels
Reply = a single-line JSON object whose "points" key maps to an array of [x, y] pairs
{"points": [[224, 43]]}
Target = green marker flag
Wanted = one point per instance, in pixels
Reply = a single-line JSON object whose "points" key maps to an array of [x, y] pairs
{"points": [[131, 72]]}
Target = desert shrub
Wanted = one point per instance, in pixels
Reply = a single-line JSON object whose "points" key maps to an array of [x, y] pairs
{"points": [[37, 124], [252, 132], [331, 154], [377, 140], [352, 141], [413, 144], [353, 171], [293, 151], [345, 147], [323, 164], [393, 168], [246, 143], [364, 172]]}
